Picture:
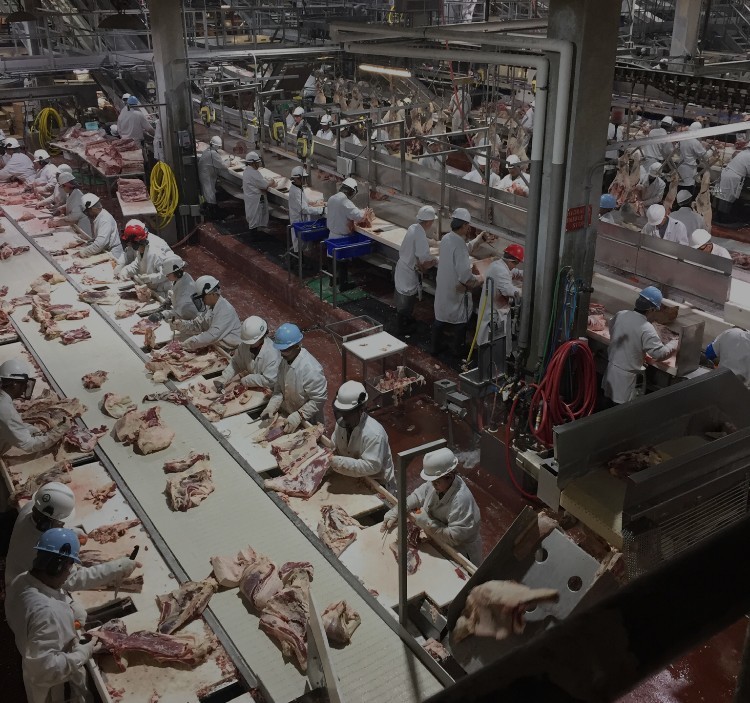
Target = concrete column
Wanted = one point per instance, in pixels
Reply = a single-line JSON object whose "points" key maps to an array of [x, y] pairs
{"points": [[687, 15], [176, 115]]}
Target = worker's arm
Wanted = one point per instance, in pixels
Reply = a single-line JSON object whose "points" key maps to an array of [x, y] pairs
{"points": [[128, 270], [210, 331], [658, 197], [369, 463], [413, 501], [265, 372], [425, 260], [101, 239], [147, 128], [87, 578], [353, 213], [231, 369], [654, 348], [157, 276], [6, 174], [463, 268], [315, 388], [44, 662], [28, 439], [461, 525]]}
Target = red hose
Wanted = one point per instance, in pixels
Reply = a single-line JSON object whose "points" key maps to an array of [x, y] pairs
{"points": [[548, 407]]}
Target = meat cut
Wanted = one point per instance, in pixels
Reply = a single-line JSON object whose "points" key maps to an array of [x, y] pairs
{"points": [[260, 581], [59, 472], [184, 604], [99, 496], [413, 538], [126, 308], [132, 190], [111, 533], [186, 492], [143, 326], [305, 479], [6, 251], [83, 439], [145, 430], [498, 608], [99, 297], [337, 529], [228, 570], [48, 409], [397, 382], [632, 461], [173, 360], [285, 619], [176, 465], [142, 293], [178, 397], [95, 379], [116, 406], [272, 432], [74, 336], [340, 621], [291, 451], [154, 438], [436, 650]]}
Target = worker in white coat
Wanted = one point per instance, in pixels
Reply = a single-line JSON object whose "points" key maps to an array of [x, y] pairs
{"points": [[701, 239], [691, 151], [342, 213], [58, 196], [325, 132], [632, 336], [653, 186], [301, 389], [19, 166], [349, 136], [455, 280], [255, 193], [478, 173], [360, 441], [459, 108], [651, 153], [300, 209], [217, 323], [71, 213], [256, 360], [105, 234], [731, 350], [660, 224], [183, 287], [506, 293], [608, 211], [443, 506], [132, 122], [685, 214], [210, 167], [514, 181], [46, 621], [414, 259], [45, 178], [732, 178], [144, 254], [17, 381]]}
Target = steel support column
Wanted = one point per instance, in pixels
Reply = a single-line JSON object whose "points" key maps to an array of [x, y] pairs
{"points": [[687, 15]]}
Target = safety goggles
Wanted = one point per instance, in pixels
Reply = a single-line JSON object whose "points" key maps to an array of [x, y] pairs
{"points": [[28, 382]]}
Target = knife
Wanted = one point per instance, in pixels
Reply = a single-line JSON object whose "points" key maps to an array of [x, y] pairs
{"points": [[132, 557]]}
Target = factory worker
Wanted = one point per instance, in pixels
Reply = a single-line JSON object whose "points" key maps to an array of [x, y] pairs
{"points": [[685, 214], [289, 120], [58, 197], [446, 508], [632, 336], [414, 259], [691, 150], [478, 173], [653, 186], [210, 167], [17, 381], [349, 135], [46, 620], [459, 108], [301, 389], [342, 215], [144, 254], [105, 234], [183, 286], [608, 209], [660, 224], [310, 89], [132, 122], [45, 178], [218, 322], [732, 177], [731, 349], [299, 209], [325, 131], [19, 166], [256, 360], [701, 239], [255, 193], [300, 126], [453, 303], [514, 181], [71, 213], [360, 442], [527, 121], [652, 153], [500, 272]]}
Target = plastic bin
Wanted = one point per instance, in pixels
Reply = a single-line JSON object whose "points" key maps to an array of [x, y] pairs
{"points": [[413, 380], [312, 231], [348, 247], [91, 125]]}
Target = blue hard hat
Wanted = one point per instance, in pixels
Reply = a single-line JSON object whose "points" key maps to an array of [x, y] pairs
{"points": [[60, 541], [607, 201], [132, 100], [287, 336], [653, 295]]}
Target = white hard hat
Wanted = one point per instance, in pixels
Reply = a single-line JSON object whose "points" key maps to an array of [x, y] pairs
{"points": [[350, 183], [64, 177], [426, 213], [480, 160], [55, 500], [695, 125], [655, 214], [216, 141], [326, 119], [299, 111], [15, 369], [513, 160], [699, 237], [298, 171], [351, 396], [114, 131], [12, 143], [438, 464], [461, 213], [206, 284], [89, 200], [172, 263], [64, 168], [253, 330], [125, 96], [654, 168], [252, 157], [667, 120], [683, 196], [40, 155]]}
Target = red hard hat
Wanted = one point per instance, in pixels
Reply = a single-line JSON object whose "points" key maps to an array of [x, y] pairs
{"points": [[516, 251], [135, 231]]}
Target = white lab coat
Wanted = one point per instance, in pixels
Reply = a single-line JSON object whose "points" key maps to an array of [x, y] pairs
{"points": [[74, 214], [300, 210], [14, 432], [341, 212], [133, 124], [20, 167], [653, 191], [45, 178], [254, 188], [733, 349], [105, 235], [365, 452], [527, 121], [219, 324], [181, 296], [454, 517], [733, 176], [631, 336], [690, 151], [475, 176], [690, 218], [719, 250], [502, 276], [350, 141], [301, 387], [454, 268], [289, 122], [57, 199], [611, 136], [460, 117], [518, 184], [210, 167], [651, 153], [675, 232], [415, 249], [260, 370], [325, 134], [147, 265]]}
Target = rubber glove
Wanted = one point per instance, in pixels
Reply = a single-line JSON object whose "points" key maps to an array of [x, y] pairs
{"points": [[337, 463], [84, 652], [389, 522], [176, 325], [138, 279], [168, 315], [422, 520], [218, 385], [124, 567], [292, 423], [272, 408]]}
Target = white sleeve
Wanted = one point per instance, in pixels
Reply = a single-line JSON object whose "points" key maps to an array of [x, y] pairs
{"points": [[44, 662]]}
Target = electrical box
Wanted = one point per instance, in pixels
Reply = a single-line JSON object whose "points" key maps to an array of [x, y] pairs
{"points": [[344, 166], [441, 389]]}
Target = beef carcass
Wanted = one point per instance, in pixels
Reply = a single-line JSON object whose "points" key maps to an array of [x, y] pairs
{"points": [[228, 570], [111, 533], [84, 439], [260, 581], [178, 397], [340, 621], [126, 308], [184, 604], [629, 462], [285, 619], [337, 529], [59, 472], [627, 178], [305, 479], [176, 465], [95, 379], [165, 649], [290, 451], [674, 185], [116, 406], [132, 190], [74, 336], [702, 202], [99, 496], [187, 492], [498, 608], [413, 538], [99, 297]]}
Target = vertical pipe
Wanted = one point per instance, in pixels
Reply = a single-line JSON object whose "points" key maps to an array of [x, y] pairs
{"points": [[368, 127], [488, 179], [402, 546], [402, 147]]}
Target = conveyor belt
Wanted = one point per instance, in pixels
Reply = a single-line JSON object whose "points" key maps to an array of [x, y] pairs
{"points": [[238, 513]]}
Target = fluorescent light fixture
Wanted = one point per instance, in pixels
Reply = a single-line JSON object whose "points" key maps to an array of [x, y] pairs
{"points": [[385, 70]]}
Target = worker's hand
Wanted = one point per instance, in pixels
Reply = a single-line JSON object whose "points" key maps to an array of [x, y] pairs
{"points": [[84, 652], [138, 279], [176, 325], [218, 385], [272, 408], [671, 346], [124, 567], [422, 520], [337, 463], [292, 423], [388, 523], [488, 237], [57, 433]]}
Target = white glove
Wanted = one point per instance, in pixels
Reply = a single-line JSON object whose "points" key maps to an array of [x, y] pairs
{"points": [[272, 408], [422, 520], [176, 325], [124, 567], [59, 432], [292, 423], [138, 279], [84, 652], [168, 315], [389, 522], [336, 462], [218, 385]]}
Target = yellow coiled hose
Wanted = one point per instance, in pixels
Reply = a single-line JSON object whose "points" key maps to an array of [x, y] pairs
{"points": [[44, 124], [163, 192]]}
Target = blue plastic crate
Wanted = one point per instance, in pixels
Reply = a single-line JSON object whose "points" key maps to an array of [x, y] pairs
{"points": [[349, 247], [91, 125], [312, 231]]}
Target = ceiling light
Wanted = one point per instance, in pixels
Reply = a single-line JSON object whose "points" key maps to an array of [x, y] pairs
{"points": [[385, 70], [122, 21]]}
